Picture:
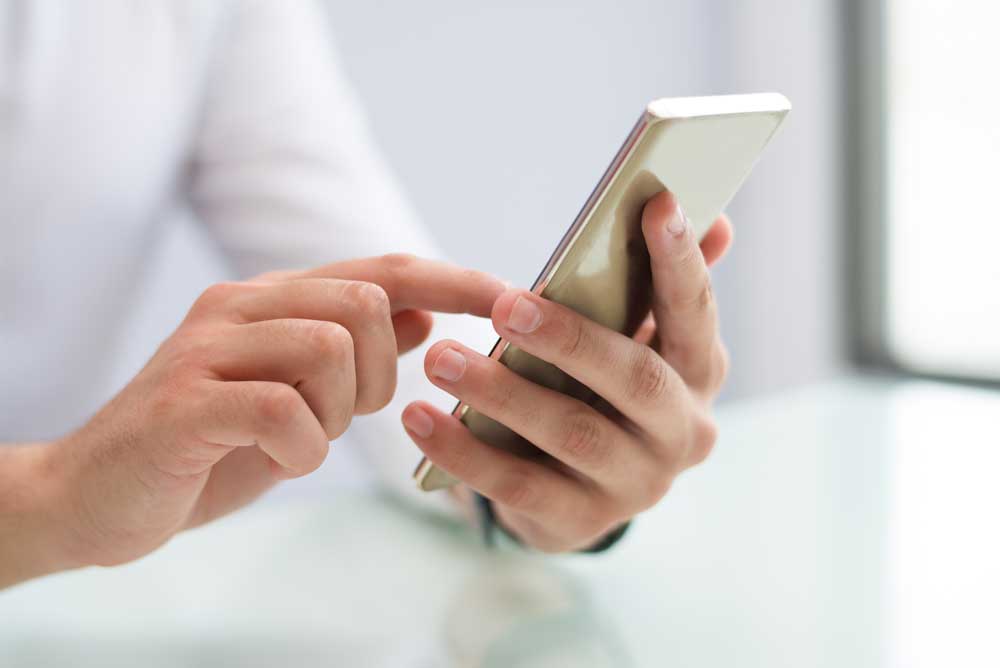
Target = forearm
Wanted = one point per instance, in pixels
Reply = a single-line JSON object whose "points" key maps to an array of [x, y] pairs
{"points": [[30, 525]]}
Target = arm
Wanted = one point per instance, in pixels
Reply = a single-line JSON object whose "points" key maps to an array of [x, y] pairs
{"points": [[284, 172]]}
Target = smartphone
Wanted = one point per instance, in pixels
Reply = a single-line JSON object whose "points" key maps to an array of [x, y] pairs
{"points": [[701, 149]]}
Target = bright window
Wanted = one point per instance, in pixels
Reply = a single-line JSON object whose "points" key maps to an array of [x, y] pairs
{"points": [[943, 186]]}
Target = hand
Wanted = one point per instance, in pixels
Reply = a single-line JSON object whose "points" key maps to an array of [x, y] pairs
{"points": [[608, 462], [250, 389]]}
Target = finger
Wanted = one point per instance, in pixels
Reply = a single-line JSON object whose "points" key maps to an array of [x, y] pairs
{"points": [[525, 486], [716, 242], [628, 375], [566, 428], [683, 304], [417, 283], [238, 478], [412, 328], [313, 356], [361, 308], [271, 416]]}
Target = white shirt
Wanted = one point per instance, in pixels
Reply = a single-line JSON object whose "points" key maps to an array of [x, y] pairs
{"points": [[142, 142]]}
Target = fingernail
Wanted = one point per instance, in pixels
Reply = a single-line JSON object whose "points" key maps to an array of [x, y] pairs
{"points": [[418, 421], [524, 316], [450, 365], [678, 223]]}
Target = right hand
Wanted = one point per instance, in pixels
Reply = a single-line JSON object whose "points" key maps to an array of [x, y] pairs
{"points": [[250, 389]]}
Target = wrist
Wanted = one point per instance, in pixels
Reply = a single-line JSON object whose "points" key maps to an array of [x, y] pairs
{"points": [[34, 530]]}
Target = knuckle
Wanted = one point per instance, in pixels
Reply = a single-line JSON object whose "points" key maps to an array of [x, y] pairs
{"points": [[369, 401], [471, 276], [690, 258], [338, 421], [278, 405], [597, 517], [398, 261], [705, 297], [378, 301], [184, 352], [174, 376], [330, 340], [458, 461], [502, 398], [382, 398], [610, 520], [653, 489], [314, 459], [519, 491], [584, 441], [649, 377], [214, 297], [721, 365], [219, 292], [706, 434], [698, 301], [370, 299], [574, 342], [397, 265]]}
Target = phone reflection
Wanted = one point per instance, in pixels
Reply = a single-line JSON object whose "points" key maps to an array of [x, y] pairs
{"points": [[519, 611]]}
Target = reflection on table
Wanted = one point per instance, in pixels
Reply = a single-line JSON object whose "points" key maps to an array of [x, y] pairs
{"points": [[848, 524]]}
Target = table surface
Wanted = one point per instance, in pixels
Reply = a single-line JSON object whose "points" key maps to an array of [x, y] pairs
{"points": [[852, 523]]}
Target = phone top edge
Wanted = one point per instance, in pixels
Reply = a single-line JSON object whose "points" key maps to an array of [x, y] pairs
{"points": [[718, 105]]}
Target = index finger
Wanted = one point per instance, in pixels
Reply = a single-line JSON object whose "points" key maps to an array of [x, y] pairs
{"points": [[628, 375], [413, 282]]}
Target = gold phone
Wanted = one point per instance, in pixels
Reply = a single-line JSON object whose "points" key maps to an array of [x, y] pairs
{"points": [[701, 149]]}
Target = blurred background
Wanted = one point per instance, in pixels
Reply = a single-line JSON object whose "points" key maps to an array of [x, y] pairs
{"points": [[847, 517], [865, 236], [835, 260], [866, 233], [559, 85]]}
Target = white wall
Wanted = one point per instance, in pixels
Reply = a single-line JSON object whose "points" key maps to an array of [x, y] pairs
{"points": [[501, 117], [782, 288]]}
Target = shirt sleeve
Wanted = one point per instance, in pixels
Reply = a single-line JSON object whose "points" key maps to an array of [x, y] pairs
{"points": [[285, 172], [285, 176]]}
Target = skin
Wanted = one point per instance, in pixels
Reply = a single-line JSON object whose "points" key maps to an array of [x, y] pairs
{"points": [[608, 462], [249, 390], [261, 375]]}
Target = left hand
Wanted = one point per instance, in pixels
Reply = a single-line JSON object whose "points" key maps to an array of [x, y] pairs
{"points": [[608, 462]]}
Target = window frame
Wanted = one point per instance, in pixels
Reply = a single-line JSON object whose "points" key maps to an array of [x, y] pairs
{"points": [[865, 125]]}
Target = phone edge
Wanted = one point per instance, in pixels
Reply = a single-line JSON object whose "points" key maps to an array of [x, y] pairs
{"points": [[646, 120]]}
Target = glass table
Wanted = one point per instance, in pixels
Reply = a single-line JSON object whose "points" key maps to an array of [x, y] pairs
{"points": [[847, 524]]}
